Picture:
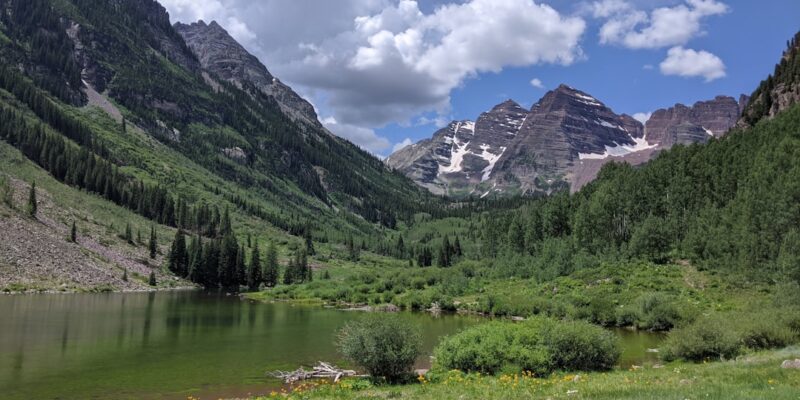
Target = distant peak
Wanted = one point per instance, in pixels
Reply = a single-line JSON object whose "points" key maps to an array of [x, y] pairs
{"points": [[564, 87], [506, 105]]}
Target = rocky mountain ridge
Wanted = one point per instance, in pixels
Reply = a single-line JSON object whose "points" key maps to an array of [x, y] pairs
{"points": [[219, 53], [780, 91], [562, 141]]}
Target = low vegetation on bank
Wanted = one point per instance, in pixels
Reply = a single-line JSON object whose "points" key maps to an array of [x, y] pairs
{"points": [[753, 376]]}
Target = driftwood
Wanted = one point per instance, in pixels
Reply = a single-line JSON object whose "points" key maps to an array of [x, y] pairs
{"points": [[321, 371]]}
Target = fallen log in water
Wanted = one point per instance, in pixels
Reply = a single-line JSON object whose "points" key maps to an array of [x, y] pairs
{"points": [[321, 371]]}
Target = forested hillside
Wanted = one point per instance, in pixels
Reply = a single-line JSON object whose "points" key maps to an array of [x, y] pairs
{"points": [[107, 98]]}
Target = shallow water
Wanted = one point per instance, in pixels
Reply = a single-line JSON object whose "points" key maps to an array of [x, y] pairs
{"points": [[170, 345]]}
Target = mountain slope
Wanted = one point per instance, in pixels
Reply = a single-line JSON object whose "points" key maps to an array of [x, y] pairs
{"points": [[780, 90], [245, 127], [561, 142], [512, 150], [222, 56]]}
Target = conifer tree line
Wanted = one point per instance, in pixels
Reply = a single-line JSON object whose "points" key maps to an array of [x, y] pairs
{"points": [[728, 205], [220, 262]]}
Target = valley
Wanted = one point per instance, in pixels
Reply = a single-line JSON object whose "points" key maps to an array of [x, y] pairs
{"points": [[176, 221]]}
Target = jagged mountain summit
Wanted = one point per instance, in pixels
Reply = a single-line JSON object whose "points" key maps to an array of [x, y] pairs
{"points": [[561, 142], [220, 54], [704, 120], [510, 149]]}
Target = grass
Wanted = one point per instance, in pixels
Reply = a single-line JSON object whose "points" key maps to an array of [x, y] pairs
{"points": [[754, 376]]}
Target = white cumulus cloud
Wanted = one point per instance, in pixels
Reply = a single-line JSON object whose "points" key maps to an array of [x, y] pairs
{"points": [[642, 117], [399, 146], [537, 83], [662, 27], [369, 63], [692, 63], [366, 138]]}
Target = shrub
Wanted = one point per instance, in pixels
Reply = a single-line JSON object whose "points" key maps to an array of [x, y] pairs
{"points": [[760, 334], [708, 338], [384, 345], [657, 312], [582, 346], [540, 345]]}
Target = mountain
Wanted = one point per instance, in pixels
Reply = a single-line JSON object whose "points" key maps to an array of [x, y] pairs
{"points": [[513, 150], [779, 91], [122, 121], [681, 124], [562, 141], [221, 55]]}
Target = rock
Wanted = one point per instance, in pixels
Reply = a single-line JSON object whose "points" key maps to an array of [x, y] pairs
{"points": [[235, 153], [223, 56], [562, 141], [791, 364], [714, 118]]}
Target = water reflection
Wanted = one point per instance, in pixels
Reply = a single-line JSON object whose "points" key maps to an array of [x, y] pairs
{"points": [[173, 344], [163, 345]]}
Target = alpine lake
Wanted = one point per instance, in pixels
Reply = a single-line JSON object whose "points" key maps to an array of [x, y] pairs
{"points": [[177, 344]]}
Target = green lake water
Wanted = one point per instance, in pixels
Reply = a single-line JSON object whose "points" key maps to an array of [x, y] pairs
{"points": [[171, 345]]}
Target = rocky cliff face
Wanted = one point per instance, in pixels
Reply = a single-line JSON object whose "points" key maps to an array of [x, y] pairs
{"points": [[510, 149], [779, 91], [223, 56], [562, 141], [714, 117]]}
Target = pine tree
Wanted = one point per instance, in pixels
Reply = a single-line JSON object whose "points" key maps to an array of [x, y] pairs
{"points": [[195, 259], [178, 262], [128, 236], [303, 270], [271, 266], [288, 274], [326, 275], [32, 206], [254, 278], [225, 224], [309, 242], [125, 275], [457, 248], [73, 234], [241, 268], [208, 275], [400, 247], [444, 253], [153, 245], [152, 279], [227, 268]]}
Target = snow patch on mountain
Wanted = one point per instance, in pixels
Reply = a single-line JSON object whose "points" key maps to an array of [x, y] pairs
{"points": [[491, 159], [618, 150]]}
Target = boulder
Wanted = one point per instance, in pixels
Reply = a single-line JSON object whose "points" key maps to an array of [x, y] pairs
{"points": [[791, 364]]}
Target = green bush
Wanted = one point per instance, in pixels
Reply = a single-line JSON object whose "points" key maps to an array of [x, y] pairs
{"points": [[385, 345], [540, 345], [705, 339], [765, 334], [657, 312], [582, 346]]}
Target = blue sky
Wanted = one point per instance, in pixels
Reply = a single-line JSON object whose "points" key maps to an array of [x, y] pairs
{"points": [[383, 71]]}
